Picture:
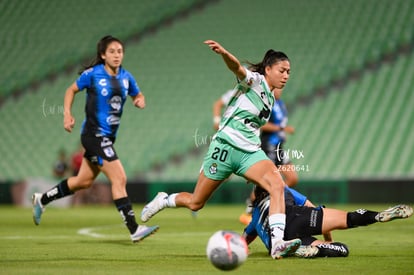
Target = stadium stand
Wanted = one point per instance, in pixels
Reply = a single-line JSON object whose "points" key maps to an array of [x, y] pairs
{"points": [[363, 130], [351, 72], [51, 36]]}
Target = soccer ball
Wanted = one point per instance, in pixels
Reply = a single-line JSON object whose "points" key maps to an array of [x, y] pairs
{"points": [[226, 250]]}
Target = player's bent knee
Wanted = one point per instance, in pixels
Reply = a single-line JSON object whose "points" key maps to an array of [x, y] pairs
{"points": [[276, 187], [86, 184], [78, 185], [195, 206], [291, 181]]}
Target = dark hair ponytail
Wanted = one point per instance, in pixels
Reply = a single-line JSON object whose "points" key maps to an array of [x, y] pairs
{"points": [[271, 57], [100, 50]]}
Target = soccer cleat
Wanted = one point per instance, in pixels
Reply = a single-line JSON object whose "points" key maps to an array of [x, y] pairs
{"points": [[38, 208], [283, 249], [155, 206], [400, 211], [142, 232], [335, 249], [307, 251]]}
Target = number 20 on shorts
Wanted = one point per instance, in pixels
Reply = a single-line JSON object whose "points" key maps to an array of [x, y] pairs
{"points": [[219, 154]]}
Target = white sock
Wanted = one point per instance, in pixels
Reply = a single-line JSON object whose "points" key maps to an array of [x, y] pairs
{"points": [[171, 200], [277, 226]]}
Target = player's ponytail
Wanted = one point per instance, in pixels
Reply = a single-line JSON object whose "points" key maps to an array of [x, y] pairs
{"points": [[271, 57]]}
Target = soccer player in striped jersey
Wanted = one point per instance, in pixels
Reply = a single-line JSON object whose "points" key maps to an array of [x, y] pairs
{"points": [[107, 86], [273, 135], [236, 147]]}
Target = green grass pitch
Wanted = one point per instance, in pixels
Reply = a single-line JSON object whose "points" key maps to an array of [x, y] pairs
{"points": [[93, 240]]}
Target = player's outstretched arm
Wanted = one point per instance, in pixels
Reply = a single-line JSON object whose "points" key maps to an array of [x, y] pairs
{"points": [[231, 61]]}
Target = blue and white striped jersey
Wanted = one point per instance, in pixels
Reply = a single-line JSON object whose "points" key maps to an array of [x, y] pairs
{"points": [[105, 98]]}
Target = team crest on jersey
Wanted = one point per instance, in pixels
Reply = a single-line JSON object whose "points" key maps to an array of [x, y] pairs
{"points": [[213, 169], [126, 83], [104, 92], [109, 152]]}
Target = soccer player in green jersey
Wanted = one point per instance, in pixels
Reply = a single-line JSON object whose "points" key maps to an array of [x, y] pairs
{"points": [[236, 147]]}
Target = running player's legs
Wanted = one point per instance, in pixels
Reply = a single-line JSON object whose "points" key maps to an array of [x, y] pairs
{"points": [[216, 168], [115, 173], [100, 155], [85, 177], [303, 222], [202, 192], [289, 174], [281, 159], [265, 174], [97, 151], [334, 219]]}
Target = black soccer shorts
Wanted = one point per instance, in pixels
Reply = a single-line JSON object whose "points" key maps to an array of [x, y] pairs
{"points": [[303, 222], [98, 149]]}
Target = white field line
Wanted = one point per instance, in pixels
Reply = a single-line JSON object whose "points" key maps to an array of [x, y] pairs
{"points": [[26, 237], [94, 232], [91, 231]]}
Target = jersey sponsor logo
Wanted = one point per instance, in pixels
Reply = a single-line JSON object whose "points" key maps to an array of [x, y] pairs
{"points": [[104, 92], [313, 218], [113, 120], [251, 123], [102, 82], [265, 113], [116, 102]]}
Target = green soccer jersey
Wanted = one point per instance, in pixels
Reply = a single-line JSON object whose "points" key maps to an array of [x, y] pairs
{"points": [[248, 110]]}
